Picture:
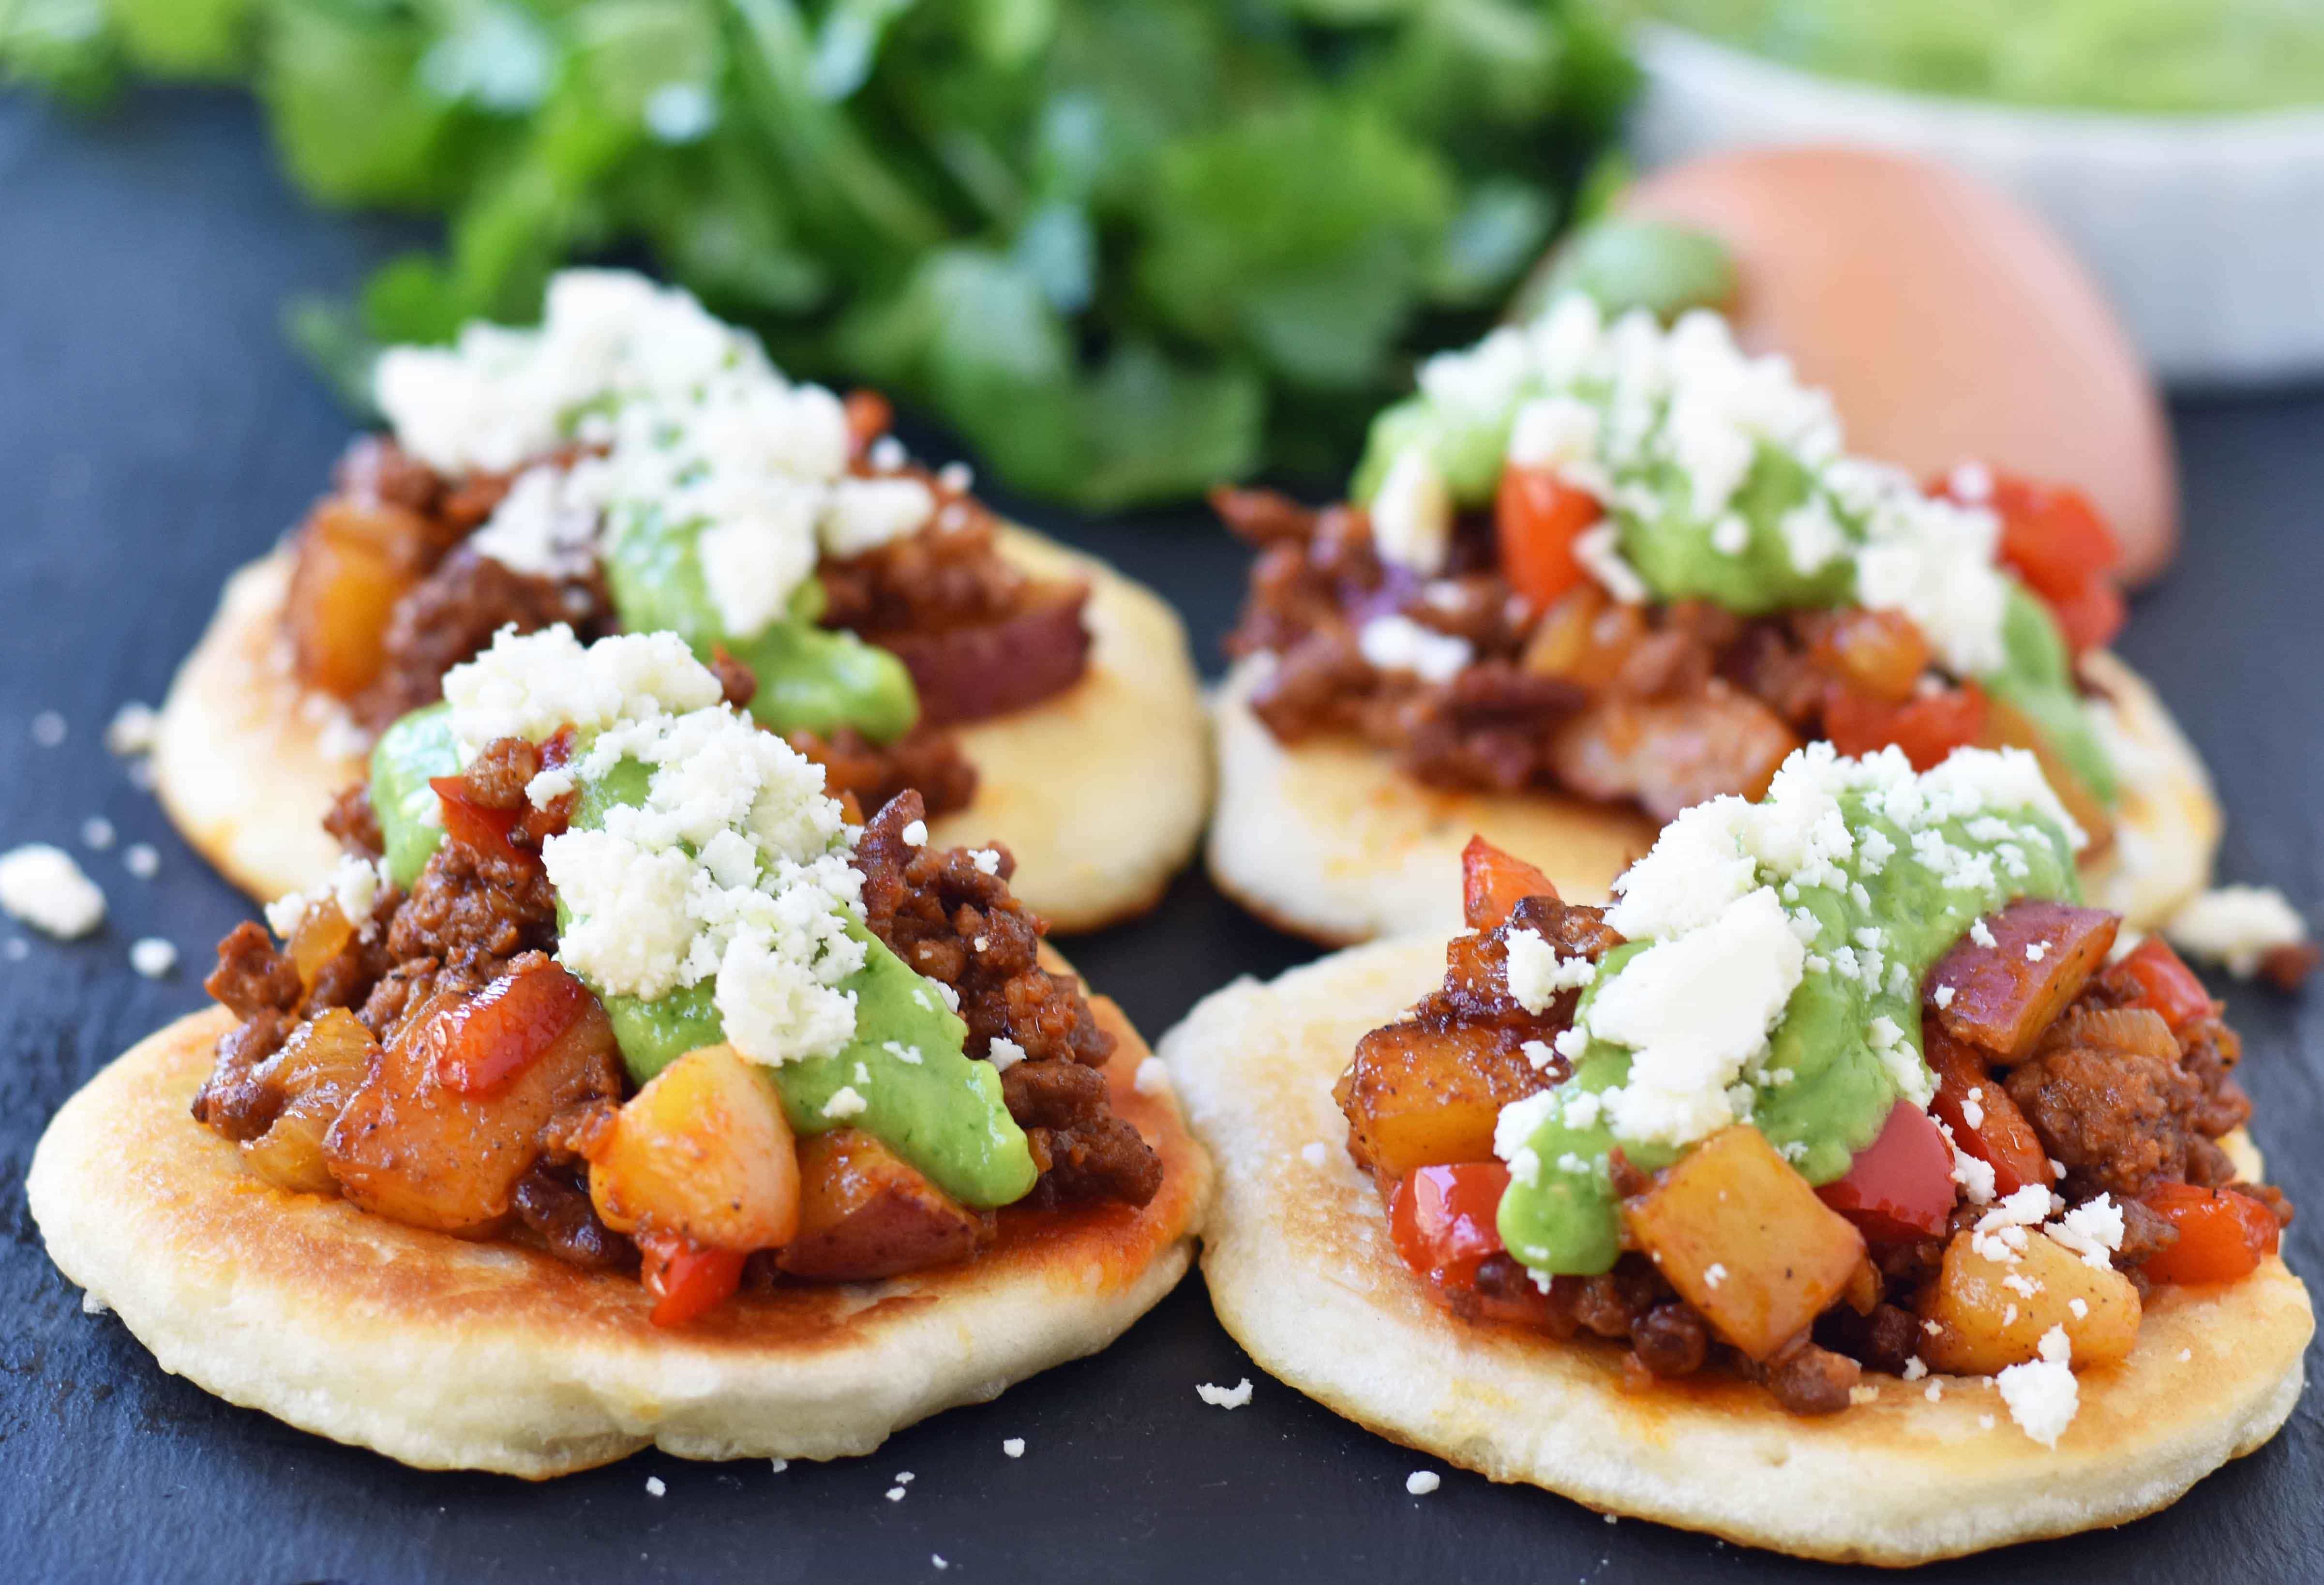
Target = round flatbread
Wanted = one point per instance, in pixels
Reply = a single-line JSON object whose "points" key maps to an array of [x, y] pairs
{"points": [[1100, 792], [1301, 1272], [1329, 840], [448, 1354]]}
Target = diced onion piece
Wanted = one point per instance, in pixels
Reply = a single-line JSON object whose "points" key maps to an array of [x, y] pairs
{"points": [[354, 561], [318, 1069]]}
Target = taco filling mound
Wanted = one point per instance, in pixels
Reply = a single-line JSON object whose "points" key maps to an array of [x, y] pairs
{"points": [[1843, 1187], [634, 465], [611, 1046], [1594, 573]]}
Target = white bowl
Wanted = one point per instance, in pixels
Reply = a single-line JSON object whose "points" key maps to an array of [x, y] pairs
{"points": [[2207, 232]]}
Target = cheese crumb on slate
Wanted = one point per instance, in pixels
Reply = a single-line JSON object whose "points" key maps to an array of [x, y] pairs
{"points": [[2236, 926], [2042, 1393], [47, 729], [655, 1485], [1224, 1397], [41, 885], [153, 957], [895, 1494], [1421, 1482], [132, 730], [141, 860], [937, 1558], [1014, 1446], [97, 832]]}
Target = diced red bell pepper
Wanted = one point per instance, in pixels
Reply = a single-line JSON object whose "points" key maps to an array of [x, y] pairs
{"points": [[507, 1027], [1441, 1219], [685, 1277], [2090, 616], [1901, 1186], [1927, 726], [469, 822], [1989, 1127], [1538, 518], [2222, 1235], [2167, 985], [1492, 884], [2053, 537]]}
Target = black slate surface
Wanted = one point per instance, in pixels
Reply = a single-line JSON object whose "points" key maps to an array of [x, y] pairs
{"points": [[155, 431]]}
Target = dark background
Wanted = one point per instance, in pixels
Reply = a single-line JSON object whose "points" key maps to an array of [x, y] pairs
{"points": [[155, 431]]}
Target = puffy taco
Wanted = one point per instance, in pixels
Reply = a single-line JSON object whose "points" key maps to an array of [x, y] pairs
{"points": [[635, 465], [1594, 572], [1841, 1188], [658, 1104]]}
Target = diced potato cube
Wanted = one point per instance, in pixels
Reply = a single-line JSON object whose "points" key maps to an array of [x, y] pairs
{"points": [[1745, 1240], [1421, 1097], [703, 1152], [355, 561], [1991, 1314], [866, 1214], [2004, 995]]}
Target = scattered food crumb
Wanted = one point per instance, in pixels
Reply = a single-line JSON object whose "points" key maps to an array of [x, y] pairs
{"points": [[1224, 1397], [655, 1487], [143, 859], [133, 729], [153, 957], [937, 1558], [895, 1494], [1421, 1482], [782, 1465], [1152, 1077], [1315, 1153], [18, 949], [97, 831], [1013, 1446], [91, 1304], [47, 729], [141, 774], [903, 1477], [1613, 1518], [41, 885]]}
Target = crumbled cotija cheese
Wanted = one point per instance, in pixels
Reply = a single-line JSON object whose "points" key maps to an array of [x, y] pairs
{"points": [[736, 865], [1653, 422], [1224, 1397], [688, 424], [2042, 1393], [153, 957], [2236, 925], [1398, 643], [41, 885]]}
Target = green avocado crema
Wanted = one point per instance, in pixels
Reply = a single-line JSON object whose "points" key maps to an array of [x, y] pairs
{"points": [[943, 1113], [1740, 556], [810, 678], [1823, 1091], [416, 749]]}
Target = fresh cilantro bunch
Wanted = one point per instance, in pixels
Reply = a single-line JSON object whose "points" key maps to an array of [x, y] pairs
{"points": [[1127, 248]]}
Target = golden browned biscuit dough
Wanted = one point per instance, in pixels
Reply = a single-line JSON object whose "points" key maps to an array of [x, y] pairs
{"points": [[1301, 1272], [1329, 840], [448, 1354], [1099, 791]]}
